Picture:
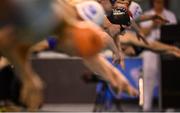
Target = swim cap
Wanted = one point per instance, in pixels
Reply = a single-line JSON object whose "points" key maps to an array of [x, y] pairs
{"points": [[135, 9], [91, 11]]}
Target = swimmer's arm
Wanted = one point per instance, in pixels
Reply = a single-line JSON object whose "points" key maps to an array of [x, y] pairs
{"points": [[106, 23], [118, 45], [100, 65], [112, 29], [110, 43], [131, 39], [162, 48], [139, 31], [43, 45], [154, 46], [116, 48]]}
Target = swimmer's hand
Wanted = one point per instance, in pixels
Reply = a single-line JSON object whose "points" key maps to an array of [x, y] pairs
{"points": [[175, 51], [126, 87], [119, 59], [32, 93]]}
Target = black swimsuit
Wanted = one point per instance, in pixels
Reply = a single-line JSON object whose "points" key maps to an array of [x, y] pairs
{"points": [[138, 50]]}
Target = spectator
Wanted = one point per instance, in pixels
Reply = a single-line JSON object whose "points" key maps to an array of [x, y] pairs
{"points": [[151, 60]]}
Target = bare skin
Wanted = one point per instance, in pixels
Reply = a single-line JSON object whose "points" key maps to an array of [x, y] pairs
{"points": [[16, 50], [102, 67], [107, 41], [17, 53], [96, 62], [114, 30], [130, 39]]}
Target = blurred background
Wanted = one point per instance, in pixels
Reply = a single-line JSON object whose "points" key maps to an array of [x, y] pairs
{"points": [[80, 96], [66, 88], [172, 5]]}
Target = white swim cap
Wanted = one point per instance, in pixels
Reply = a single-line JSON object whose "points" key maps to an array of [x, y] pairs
{"points": [[135, 9], [91, 11]]}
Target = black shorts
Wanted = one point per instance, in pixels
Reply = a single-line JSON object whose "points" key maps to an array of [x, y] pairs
{"points": [[10, 85]]}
